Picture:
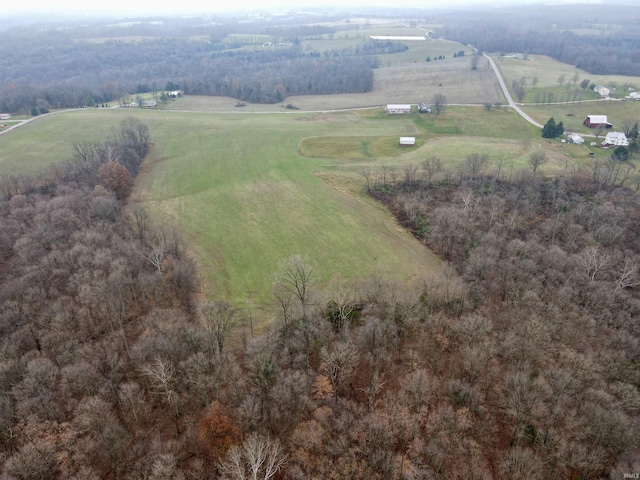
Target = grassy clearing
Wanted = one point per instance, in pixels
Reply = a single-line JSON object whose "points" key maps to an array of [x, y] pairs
{"points": [[244, 199], [355, 147], [548, 71], [572, 115], [49, 139]]}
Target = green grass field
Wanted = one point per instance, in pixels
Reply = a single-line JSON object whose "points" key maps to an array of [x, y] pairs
{"points": [[249, 186]]}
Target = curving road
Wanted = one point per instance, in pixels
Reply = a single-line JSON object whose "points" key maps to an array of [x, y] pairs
{"points": [[507, 95]]}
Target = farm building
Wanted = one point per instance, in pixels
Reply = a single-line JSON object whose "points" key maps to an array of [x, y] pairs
{"points": [[407, 141], [424, 108], [634, 95], [575, 138], [5, 116], [615, 139], [596, 121], [602, 90], [398, 109]]}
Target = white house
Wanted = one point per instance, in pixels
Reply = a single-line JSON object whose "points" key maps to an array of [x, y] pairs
{"points": [[602, 91], [398, 109], [575, 138], [407, 141], [615, 139], [635, 95]]}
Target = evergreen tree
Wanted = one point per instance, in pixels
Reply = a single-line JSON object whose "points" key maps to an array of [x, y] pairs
{"points": [[550, 128]]}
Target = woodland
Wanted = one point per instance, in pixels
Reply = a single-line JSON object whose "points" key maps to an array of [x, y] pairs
{"points": [[520, 361], [600, 39], [55, 65]]}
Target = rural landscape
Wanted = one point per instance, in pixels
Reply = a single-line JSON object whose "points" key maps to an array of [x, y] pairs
{"points": [[321, 244]]}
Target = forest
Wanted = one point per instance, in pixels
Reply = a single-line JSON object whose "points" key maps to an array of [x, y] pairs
{"points": [[50, 68], [600, 39], [520, 361]]}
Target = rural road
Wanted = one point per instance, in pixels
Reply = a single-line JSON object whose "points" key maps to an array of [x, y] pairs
{"points": [[507, 95]]}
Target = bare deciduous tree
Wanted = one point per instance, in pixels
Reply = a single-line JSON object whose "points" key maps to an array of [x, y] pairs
{"points": [[296, 274], [339, 359], [431, 166], [217, 318], [438, 101], [160, 372], [536, 159], [259, 458]]}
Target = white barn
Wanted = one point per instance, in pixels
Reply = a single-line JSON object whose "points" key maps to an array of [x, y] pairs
{"points": [[407, 141], [398, 109]]}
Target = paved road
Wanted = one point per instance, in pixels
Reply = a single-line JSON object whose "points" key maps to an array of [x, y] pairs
{"points": [[507, 95]]}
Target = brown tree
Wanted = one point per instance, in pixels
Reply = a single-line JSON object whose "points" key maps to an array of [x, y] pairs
{"points": [[217, 432], [116, 178]]}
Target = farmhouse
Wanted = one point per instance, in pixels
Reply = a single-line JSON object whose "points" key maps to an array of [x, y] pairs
{"points": [[615, 139], [633, 95], [597, 121], [407, 141], [5, 116], [602, 90], [398, 109], [424, 108], [575, 138]]}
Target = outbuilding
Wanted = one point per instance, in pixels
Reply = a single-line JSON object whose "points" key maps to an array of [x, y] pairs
{"points": [[5, 116], [575, 138], [407, 141], [398, 109], [596, 121]]}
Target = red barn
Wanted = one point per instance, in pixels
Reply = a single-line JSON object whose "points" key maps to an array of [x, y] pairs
{"points": [[596, 121]]}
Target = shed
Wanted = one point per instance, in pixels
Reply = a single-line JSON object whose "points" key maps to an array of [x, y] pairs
{"points": [[575, 138], [407, 141], [597, 121], [398, 109]]}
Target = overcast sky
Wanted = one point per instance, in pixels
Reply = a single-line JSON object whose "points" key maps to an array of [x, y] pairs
{"points": [[154, 7]]}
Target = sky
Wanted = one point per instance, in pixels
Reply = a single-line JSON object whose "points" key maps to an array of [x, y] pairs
{"points": [[148, 7]]}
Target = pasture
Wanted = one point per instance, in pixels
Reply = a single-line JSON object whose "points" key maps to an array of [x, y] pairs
{"points": [[572, 115]]}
